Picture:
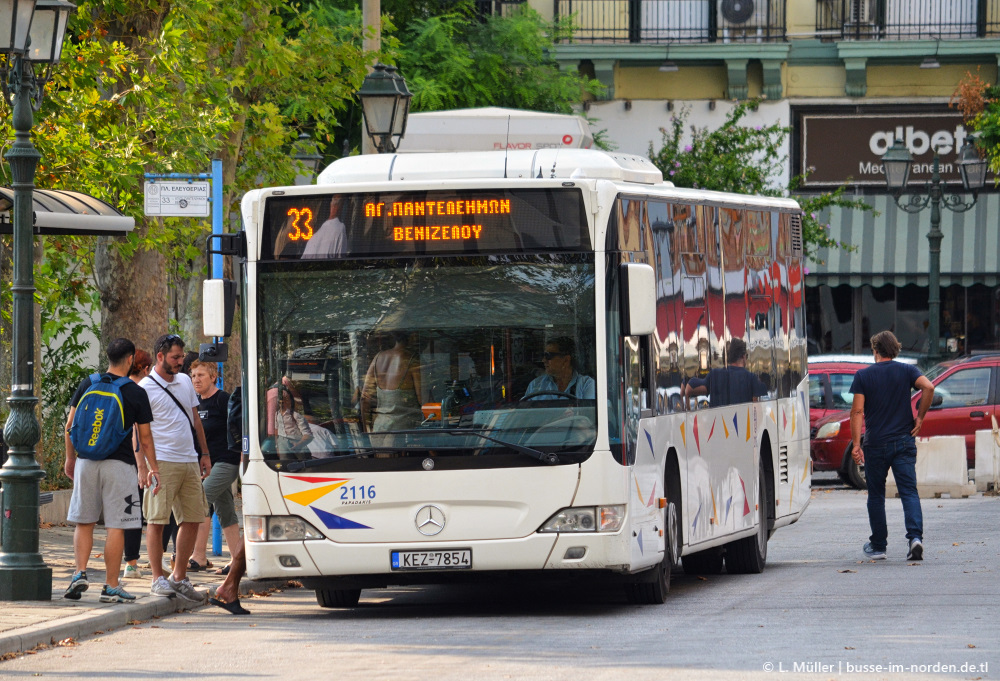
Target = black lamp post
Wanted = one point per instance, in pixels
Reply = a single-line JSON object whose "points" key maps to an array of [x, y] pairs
{"points": [[385, 101], [896, 163], [305, 154], [35, 37]]}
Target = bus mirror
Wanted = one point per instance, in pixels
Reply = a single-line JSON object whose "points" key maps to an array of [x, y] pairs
{"points": [[219, 303], [638, 299]]}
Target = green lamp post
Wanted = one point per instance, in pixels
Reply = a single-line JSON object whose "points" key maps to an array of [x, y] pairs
{"points": [[385, 100], [896, 165], [35, 35]]}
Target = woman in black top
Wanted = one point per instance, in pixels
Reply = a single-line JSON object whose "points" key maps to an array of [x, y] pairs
{"points": [[213, 409]]}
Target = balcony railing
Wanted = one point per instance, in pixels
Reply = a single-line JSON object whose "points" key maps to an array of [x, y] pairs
{"points": [[497, 7], [907, 19], [674, 21]]}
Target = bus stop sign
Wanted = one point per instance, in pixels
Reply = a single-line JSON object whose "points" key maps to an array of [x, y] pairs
{"points": [[177, 198]]}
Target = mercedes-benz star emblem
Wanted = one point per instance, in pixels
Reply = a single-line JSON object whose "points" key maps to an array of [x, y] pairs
{"points": [[429, 520]]}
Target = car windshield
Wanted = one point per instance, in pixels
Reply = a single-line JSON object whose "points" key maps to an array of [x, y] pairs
{"points": [[375, 360]]}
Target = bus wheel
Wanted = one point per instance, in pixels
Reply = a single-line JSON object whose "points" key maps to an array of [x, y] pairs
{"points": [[748, 555], [652, 586], [707, 562], [338, 598]]}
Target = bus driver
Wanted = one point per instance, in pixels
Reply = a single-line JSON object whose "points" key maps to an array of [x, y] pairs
{"points": [[560, 376]]}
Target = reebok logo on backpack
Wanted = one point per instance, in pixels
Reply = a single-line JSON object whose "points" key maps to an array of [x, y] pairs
{"points": [[99, 422]]}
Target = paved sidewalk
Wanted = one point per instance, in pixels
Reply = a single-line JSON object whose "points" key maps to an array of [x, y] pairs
{"points": [[27, 624]]}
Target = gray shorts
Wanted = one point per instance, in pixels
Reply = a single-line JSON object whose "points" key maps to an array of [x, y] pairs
{"points": [[219, 491], [109, 486]]}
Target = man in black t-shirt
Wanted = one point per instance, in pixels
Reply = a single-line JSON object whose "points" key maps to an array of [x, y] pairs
{"points": [[882, 404], [733, 384], [108, 486]]}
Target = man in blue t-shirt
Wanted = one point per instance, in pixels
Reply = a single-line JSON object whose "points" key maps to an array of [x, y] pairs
{"points": [[882, 404]]}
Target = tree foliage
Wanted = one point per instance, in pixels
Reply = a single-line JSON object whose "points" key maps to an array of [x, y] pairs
{"points": [[979, 103], [739, 158]]}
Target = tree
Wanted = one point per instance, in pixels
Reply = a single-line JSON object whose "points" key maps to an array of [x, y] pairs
{"points": [[746, 160], [979, 103]]}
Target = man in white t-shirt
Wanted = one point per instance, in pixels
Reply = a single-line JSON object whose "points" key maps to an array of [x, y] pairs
{"points": [[175, 425]]}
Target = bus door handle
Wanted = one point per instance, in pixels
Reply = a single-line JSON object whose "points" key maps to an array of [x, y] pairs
{"points": [[977, 414]]}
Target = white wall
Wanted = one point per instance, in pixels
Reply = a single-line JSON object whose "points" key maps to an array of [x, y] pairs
{"points": [[633, 131]]}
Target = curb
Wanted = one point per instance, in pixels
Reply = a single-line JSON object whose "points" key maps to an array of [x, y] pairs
{"points": [[85, 624]]}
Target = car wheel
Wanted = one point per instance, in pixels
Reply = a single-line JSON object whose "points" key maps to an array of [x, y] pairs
{"points": [[851, 473]]}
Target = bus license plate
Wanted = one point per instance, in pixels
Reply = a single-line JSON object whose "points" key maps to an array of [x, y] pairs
{"points": [[457, 559]]}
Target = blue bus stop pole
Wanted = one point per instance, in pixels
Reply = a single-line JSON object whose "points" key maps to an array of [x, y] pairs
{"points": [[216, 272]]}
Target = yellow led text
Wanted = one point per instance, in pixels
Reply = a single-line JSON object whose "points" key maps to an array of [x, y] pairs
{"points": [[424, 208], [437, 233]]}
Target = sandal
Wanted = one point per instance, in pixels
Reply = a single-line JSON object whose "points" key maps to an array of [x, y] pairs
{"points": [[223, 570], [233, 607], [194, 566]]}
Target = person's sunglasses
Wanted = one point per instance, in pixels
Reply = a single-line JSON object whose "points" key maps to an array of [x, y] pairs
{"points": [[551, 355]]}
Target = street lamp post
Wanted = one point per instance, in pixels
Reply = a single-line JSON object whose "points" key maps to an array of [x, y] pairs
{"points": [[36, 34], [896, 165], [307, 157], [385, 101]]}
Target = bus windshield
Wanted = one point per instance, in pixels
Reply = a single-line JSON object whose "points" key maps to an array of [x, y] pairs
{"points": [[469, 361]]}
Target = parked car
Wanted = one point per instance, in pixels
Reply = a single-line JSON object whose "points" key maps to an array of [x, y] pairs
{"points": [[830, 379], [966, 395]]}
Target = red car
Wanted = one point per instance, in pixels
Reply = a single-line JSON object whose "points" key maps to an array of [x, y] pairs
{"points": [[966, 394], [830, 378]]}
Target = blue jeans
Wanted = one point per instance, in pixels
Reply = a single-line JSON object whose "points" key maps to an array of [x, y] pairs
{"points": [[899, 454]]}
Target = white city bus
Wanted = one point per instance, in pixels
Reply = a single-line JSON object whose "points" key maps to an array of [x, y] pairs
{"points": [[487, 269]]}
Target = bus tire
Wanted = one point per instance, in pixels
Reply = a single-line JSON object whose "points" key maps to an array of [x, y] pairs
{"points": [[707, 562], [749, 555], [652, 586], [338, 598]]}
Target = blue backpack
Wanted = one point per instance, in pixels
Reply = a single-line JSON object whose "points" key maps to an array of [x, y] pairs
{"points": [[99, 423]]}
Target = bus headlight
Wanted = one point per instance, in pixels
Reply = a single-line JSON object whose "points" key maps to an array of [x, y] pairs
{"points": [[828, 430], [586, 519], [278, 528]]}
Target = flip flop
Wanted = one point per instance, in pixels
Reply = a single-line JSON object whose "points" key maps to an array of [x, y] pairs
{"points": [[233, 607]]}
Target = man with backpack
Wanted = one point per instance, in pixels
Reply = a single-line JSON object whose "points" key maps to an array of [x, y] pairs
{"points": [[103, 466], [182, 455]]}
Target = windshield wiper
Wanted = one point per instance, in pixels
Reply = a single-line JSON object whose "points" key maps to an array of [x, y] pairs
{"points": [[549, 458]]}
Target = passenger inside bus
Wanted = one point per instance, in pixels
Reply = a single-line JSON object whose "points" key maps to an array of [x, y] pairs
{"points": [[285, 423], [330, 240], [730, 385], [560, 380], [390, 397]]}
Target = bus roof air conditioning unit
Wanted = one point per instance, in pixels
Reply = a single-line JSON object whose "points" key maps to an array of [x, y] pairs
{"points": [[743, 20]]}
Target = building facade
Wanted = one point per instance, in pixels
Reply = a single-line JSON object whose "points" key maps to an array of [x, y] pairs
{"points": [[848, 77]]}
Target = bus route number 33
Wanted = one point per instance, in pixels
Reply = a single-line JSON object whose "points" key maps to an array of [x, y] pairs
{"points": [[302, 224]]}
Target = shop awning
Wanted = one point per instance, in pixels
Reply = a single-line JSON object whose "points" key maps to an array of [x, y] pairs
{"points": [[893, 247], [65, 212]]}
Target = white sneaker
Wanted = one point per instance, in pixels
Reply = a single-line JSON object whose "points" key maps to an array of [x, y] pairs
{"points": [[186, 590], [161, 587], [132, 572]]}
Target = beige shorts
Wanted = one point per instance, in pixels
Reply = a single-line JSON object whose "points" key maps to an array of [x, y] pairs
{"points": [[181, 491]]}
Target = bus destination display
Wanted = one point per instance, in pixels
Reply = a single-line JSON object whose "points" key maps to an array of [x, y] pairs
{"points": [[331, 226]]}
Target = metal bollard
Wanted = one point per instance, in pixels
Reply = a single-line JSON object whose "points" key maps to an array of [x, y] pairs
{"points": [[216, 535]]}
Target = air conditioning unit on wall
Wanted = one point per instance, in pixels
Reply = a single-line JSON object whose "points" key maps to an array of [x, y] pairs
{"points": [[743, 19]]}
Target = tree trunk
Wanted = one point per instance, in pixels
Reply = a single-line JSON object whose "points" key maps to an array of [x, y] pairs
{"points": [[134, 301]]}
